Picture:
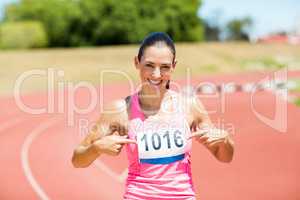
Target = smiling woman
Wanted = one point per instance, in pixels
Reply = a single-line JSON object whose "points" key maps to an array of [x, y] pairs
{"points": [[156, 63], [156, 125]]}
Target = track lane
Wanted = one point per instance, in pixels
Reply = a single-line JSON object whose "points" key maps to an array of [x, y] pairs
{"points": [[265, 165]]}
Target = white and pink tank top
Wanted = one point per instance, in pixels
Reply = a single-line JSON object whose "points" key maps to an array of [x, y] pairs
{"points": [[159, 166]]}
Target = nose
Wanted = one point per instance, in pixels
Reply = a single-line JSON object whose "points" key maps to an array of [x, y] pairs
{"points": [[156, 72]]}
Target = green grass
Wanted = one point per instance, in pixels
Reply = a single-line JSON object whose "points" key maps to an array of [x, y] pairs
{"points": [[263, 63], [86, 64], [297, 102]]}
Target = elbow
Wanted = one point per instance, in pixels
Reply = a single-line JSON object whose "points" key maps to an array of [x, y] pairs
{"points": [[226, 154], [226, 159], [77, 163]]}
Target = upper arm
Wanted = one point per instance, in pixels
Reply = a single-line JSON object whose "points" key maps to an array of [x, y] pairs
{"points": [[196, 111], [113, 117]]}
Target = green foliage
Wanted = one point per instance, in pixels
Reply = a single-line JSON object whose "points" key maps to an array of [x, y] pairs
{"points": [[184, 25], [27, 34], [212, 25], [55, 15], [212, 32], [98, 22], [237, 28]]}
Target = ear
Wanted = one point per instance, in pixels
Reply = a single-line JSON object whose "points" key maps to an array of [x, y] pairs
{"points": [[174, 64], [136, 62]]}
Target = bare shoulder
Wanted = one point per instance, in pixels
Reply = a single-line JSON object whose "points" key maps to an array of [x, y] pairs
{"points": [[194, 108], [191, 103], [114, 108], [114, 113], [113, 117]]}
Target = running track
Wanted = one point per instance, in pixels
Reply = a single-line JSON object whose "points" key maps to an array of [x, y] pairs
{"points": [[36, 150]]}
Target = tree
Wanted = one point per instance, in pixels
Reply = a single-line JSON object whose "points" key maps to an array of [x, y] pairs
{"points": [[212, 26], [21, 35], [99, 22], [55, 15], [182, 19], [212, 33], [237, 29]]}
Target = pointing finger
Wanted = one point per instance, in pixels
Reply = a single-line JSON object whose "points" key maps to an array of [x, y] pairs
{"points": [[126, 141], [199, 133]]}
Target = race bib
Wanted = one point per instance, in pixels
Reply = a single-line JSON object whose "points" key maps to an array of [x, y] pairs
{"points": [[162, 144]]}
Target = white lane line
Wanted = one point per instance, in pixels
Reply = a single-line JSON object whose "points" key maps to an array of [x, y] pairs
{"points": [[9, 123], [118, 177], [24, 156]]}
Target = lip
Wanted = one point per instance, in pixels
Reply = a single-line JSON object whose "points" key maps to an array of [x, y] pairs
{"points": [[152, 82]]}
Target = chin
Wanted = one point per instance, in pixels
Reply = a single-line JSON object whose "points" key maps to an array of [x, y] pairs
{"points": [[155, 89]]}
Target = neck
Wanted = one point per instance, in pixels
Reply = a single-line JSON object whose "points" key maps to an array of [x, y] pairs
{"points": [[150, 103]]}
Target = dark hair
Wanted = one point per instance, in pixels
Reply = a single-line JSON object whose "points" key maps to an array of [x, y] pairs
{"points": [[154, 38]]}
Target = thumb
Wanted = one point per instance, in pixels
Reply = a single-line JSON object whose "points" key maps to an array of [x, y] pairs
{"points": [[198, 133], [192, 135]]}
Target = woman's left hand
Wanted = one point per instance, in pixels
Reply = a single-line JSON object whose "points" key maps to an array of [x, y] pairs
{"points": [[217, 141], [209, 136]]}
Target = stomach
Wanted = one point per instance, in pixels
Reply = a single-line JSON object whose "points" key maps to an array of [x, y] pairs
{"points": [[172, 181]]}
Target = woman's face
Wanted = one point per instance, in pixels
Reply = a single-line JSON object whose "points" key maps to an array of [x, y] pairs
{"points": [[155, 67]]}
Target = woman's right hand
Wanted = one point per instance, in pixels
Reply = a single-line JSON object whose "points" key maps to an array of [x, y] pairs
{"points": [[111, 144]]}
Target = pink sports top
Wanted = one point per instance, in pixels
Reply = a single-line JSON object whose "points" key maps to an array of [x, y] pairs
{"points": [[157, 176]]}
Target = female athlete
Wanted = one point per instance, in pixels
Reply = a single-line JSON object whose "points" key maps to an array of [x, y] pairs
{"points": [[156, 126]]}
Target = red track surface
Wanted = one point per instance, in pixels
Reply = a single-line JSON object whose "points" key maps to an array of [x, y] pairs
{"points": [[36, 150]]}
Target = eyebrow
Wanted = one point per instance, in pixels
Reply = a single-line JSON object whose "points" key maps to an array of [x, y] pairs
{"points": [[162, 64]]}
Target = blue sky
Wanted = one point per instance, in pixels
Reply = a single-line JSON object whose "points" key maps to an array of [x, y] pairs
{"points": [[268, 15]]}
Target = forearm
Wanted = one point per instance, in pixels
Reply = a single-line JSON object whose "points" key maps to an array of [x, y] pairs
{"points": [[83, 156]]}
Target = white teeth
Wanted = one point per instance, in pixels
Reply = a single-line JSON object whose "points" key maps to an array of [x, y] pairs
{"points": [[154, 82]]}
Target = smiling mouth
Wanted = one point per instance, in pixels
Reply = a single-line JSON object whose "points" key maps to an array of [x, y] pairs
{"points": [[152, 82]]}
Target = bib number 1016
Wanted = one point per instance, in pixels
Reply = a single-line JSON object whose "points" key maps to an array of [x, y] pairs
{"points": [[155, 141]]}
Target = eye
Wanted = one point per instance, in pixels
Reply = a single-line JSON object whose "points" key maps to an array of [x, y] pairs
{"points": [[150, 66], [165, 68]]}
